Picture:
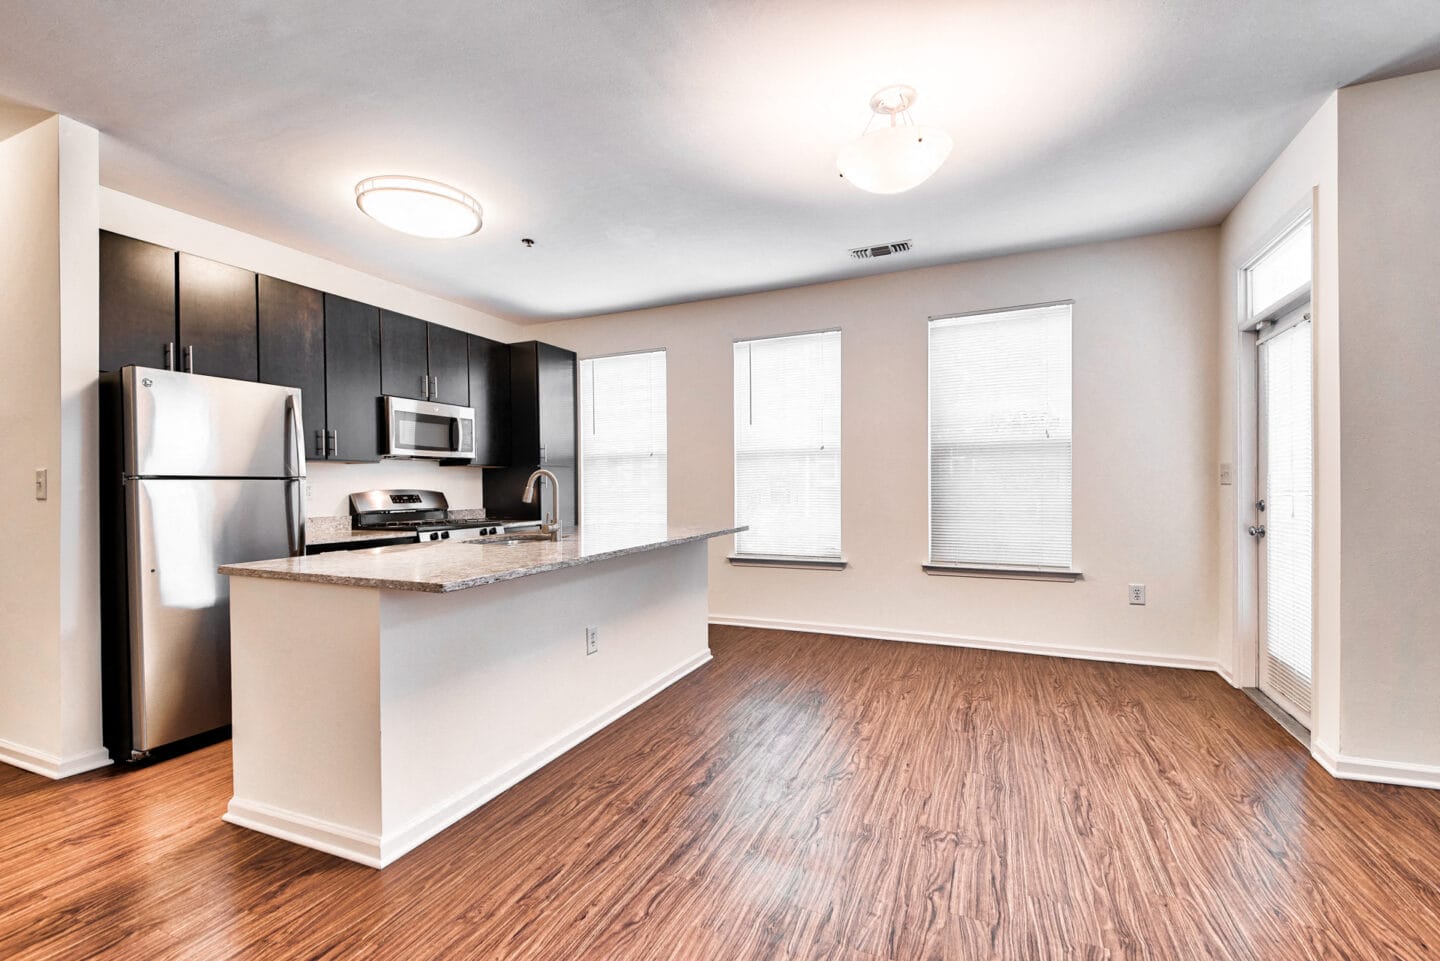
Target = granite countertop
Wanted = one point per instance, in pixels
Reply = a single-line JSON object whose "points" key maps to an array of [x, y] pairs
{"points": [[444, 566]]}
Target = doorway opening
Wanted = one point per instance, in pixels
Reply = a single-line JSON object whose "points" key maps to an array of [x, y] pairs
{"points": [[1277, 296]]}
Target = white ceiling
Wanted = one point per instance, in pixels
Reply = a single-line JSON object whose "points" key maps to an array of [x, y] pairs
{"points": [[669, 150]]}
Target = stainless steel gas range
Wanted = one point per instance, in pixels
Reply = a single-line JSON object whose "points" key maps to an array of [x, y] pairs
{"points": [[427, 514]]}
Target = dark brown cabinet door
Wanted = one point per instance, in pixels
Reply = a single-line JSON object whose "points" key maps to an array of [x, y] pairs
{"points": [[352, 379], [556, 386], [137, 302], [292, 348], [489, 376], [217, 319], [449, 365], [404, 361]]}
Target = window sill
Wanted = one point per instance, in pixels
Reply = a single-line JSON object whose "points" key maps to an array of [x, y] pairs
{"points": [[996, 570], [794, 563]]}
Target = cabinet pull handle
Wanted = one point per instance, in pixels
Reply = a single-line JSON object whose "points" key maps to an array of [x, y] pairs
{"points": [[425, 386], [434, 388], [335, 443], [190, 359], [170, 356], [319, 443]]}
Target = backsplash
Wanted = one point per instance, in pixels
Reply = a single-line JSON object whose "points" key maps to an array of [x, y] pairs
{"points": [[332, 484]]}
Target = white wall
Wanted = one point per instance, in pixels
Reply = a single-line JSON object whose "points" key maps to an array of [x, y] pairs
{"points": [[1144, 427], [330, 483], [1303, 175], [1389, 142], [49, 609]]}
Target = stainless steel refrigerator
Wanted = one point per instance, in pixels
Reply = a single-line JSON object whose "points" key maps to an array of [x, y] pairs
{"points": [[196, 472]]}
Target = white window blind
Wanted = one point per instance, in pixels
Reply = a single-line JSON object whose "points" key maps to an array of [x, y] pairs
{"points": [[1282, 270], [1288, 410], [623, 462], [787, 445], [1000, 438]]}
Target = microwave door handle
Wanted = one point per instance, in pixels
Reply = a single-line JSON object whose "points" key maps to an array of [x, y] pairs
{"points": [[455, 434]]}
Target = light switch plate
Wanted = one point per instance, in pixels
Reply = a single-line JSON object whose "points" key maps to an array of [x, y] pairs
{"points": [[42, 484]]}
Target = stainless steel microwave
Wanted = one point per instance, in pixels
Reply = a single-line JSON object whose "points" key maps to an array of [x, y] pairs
{"points": [[421, 428]]}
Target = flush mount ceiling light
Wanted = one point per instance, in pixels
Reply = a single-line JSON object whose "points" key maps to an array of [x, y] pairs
{"points": [[422, 208], [897, 157]]}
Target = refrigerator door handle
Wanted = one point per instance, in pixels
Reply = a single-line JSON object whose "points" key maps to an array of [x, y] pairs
{"points": [[297, 438], [295, 516]]}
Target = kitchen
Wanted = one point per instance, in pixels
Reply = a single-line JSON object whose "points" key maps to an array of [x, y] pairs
{"points": [[806, 727]]}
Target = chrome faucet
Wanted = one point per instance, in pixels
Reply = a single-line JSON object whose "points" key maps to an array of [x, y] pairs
{"points": [[550, 525]]}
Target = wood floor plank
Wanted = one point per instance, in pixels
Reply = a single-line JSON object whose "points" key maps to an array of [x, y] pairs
{"points": [[803, 797]]}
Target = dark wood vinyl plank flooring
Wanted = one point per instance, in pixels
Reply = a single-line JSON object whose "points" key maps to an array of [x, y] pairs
{"points": [[802, 797]]}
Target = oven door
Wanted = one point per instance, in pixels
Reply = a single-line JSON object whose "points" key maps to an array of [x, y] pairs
{"points": [[417, 428]]}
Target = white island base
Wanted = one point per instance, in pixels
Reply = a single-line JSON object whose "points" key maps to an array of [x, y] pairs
{"points": [[368, 719]]}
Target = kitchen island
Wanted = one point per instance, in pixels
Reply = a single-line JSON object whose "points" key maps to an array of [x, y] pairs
{"points": [[381, 695]]}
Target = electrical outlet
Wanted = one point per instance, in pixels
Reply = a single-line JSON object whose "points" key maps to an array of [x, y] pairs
{"points": [[592, 640], [1137, 594], [1227, 475], [42, 484], [309, 492]]}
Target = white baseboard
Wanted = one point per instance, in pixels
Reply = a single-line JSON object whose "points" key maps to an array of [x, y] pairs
{"points": [[296, 828], [1185, 661], [51, 765], [379, 851], [1381, 772]]}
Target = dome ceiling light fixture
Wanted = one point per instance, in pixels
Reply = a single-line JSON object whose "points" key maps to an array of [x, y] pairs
{"points": [[898, 157], [421, 208]]}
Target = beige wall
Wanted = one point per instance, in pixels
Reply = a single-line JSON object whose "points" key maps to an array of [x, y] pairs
{"points": [[1144, 462], [1304, 175], [49, 609], [1389, 142], [329, 483]]}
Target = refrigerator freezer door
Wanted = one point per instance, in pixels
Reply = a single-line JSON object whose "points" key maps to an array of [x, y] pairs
{"points": [[179, 605], [188, 425]]}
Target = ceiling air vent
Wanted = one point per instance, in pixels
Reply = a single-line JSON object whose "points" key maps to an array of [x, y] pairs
{"points": [[881, 250]]}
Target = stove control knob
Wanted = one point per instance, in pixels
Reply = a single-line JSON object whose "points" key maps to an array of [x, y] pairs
{"points": [[445, 535]]}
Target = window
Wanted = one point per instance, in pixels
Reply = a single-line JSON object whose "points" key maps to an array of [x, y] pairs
{"points": [[623, 448], [1000, 439], [1281, 274], [787, 446]]}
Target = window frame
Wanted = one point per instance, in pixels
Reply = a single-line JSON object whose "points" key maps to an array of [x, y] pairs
{"points": [[931, 566], [788, 561], [580, 419]]}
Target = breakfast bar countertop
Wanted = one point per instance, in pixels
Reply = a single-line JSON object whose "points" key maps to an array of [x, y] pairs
{"points": [[445, 566]]}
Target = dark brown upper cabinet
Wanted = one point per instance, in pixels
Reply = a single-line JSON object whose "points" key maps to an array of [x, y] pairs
{"points": [[292, 348], [489, 376], [217, 319], [423, 361], [449, 365], [352, 380], [137, 303]]}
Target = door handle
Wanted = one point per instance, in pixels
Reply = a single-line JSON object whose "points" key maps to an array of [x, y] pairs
{"points": [[335, 443], [190, 359], [292, 411], [319, 443], [1256, 530], [434, 388], [170, 356], [425, 386]]}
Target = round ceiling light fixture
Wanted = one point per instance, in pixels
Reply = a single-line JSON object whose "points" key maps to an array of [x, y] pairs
{"points": [[421, 208], [897, 157]]}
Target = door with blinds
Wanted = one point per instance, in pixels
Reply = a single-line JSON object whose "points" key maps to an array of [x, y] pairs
{"points": [[1285, 512]]}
